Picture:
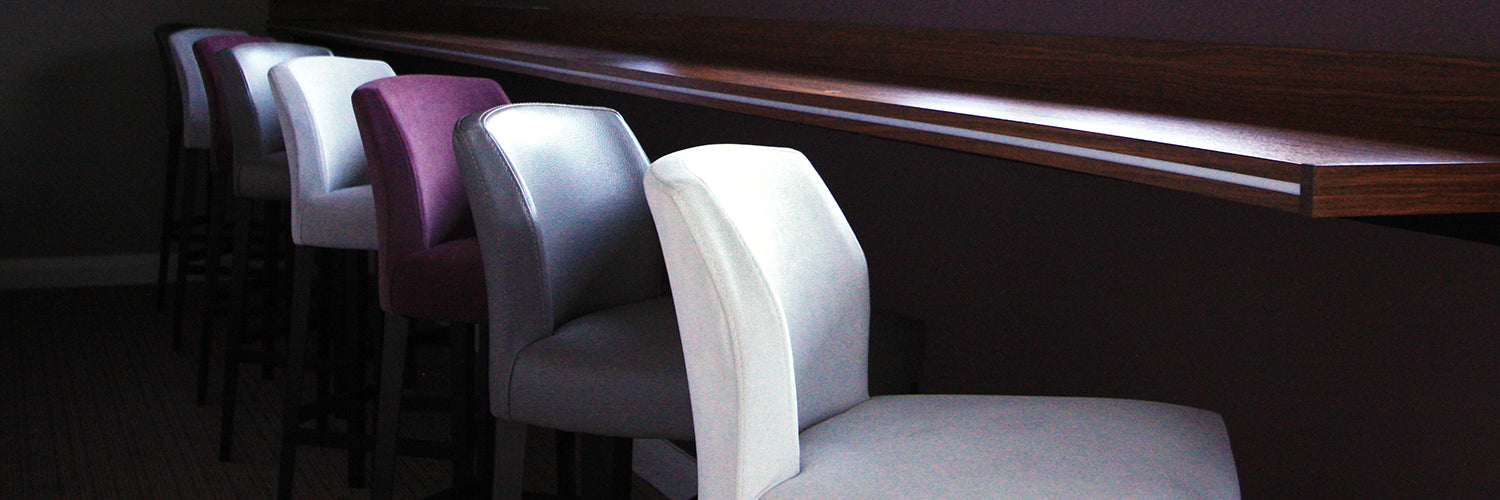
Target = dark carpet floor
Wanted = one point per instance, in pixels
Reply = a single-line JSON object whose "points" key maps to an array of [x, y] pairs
{"points": [[95, 404]]}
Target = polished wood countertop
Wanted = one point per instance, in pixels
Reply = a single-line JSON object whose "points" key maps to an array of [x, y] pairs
{"points": [[1311, 172]]}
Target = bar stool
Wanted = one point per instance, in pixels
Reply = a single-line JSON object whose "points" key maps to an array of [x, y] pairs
{"points": [[333, 212], [216, 195], [773, 300], [173, 87], [184, 221], [430, 268], [261, 176], [582, 332]]}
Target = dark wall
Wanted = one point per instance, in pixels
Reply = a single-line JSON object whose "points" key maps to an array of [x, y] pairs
{"points": [[1454, 27], [82, 134]]}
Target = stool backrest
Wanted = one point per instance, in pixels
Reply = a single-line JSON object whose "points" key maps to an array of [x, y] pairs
{"points": [[190, 99], [254, 122], [562, 220], [406, 123], [324, 149], [206, 53], [772, 298]]}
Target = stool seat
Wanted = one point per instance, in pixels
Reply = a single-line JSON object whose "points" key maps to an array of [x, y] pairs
{"points": [[1013, 446], [603, 374], [444, 281], [264, 178], [344, 218]]}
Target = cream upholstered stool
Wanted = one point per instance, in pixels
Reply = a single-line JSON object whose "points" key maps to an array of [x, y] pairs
{"points": [[582, 333], [183, 224], [260, 178], [215, 197], [333, 213], [772, 296]]}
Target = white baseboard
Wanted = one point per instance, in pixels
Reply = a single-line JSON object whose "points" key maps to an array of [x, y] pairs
{"points": [[672, 471], [61, 272]]}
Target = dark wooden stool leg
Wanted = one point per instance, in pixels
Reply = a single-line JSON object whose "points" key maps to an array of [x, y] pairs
{"points": [[296, 351], [388, 406]]}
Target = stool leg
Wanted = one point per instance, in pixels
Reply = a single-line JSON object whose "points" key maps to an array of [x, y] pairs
{"points": [[388, 406], [296, 352], [567, 459], [277, 263], [169, 216], [461, 343], [324, 380], [234, 339], [482, 411], [353, 352], [606, 466], [621, 456], [218, 197], [187, 207], [510, 460]]}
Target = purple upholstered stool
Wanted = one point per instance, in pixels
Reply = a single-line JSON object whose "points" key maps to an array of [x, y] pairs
{"points": [[430, 266], [221, 154]]}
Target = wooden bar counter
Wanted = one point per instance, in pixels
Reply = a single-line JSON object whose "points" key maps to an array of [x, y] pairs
{"points": [[1366, 134], [1077, 216]]}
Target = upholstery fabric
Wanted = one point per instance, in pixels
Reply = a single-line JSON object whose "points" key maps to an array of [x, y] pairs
{"points": [[570, 252], [442, 282], [1014, 447], [772, 300], [195, 104], [206, 52], [406, 124], [333, 205], [260, 159]]}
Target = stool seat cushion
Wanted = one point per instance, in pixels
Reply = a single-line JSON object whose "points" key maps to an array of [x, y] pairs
{"points": [[1014, 447], [343, 218], [616, 372], [445, 281], [264, 178]]}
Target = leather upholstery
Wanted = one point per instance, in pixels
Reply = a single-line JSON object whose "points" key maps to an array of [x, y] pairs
{"points": [[772, 297], [1014, 447], [721, 227], [581, 335], [406, 124], [617, 372], [332, 203], [195, 104], [260, 159]]}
